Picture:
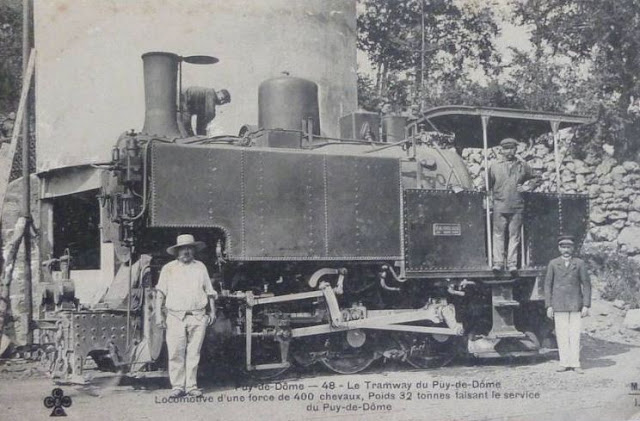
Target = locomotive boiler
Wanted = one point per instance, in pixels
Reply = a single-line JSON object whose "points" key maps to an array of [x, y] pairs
{"points": [[338, 251]]}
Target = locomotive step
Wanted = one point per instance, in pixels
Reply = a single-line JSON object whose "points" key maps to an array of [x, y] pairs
{"points": [[495, 354], [271, 366], [513, 334], [505, 303]]}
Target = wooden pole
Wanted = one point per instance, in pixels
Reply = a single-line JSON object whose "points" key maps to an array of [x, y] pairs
{"points": [[422, 55], [26, 182], [7, 153], [9, 256]]}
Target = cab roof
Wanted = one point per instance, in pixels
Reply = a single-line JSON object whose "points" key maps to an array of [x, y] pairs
{"points": [[466, 123]]}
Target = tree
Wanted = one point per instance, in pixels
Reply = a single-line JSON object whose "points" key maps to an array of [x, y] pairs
{"points": [[458, 39], [542, 84], [10, 56], [602, 38], [396, 92]]}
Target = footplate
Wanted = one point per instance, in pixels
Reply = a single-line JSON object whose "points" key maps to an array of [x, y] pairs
{"points": [[486, 347], [502, 306]]}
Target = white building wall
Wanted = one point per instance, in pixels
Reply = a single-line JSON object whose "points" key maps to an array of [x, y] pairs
{"points": [[89, 72]]}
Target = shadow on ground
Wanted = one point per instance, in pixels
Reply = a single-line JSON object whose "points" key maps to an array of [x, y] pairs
{"points": [[594, 351]]}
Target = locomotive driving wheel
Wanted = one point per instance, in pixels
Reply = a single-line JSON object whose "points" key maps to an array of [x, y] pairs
{"points": [[428, 351], [349, 352]]}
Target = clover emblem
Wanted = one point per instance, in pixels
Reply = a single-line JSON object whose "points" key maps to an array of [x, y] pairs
{"points": [[58, 401]]}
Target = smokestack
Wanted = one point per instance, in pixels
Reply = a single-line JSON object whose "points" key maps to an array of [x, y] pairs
{"points": [[160, 78]]}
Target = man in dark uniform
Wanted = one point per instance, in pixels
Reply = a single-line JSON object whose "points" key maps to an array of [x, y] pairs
{"points": [[506, 178], [567, 290]]}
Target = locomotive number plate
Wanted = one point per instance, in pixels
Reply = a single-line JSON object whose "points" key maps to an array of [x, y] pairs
{"points": [[446, 230]]}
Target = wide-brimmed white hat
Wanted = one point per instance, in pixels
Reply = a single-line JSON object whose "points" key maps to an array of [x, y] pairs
{"points": [[184, 240]]}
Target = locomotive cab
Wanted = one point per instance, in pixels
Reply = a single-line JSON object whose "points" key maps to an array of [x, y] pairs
{"points": [[447, 241], [482, 127]]}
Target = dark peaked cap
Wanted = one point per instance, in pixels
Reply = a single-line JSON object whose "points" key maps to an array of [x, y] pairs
{"points": [[509, 143], [566, 239]]}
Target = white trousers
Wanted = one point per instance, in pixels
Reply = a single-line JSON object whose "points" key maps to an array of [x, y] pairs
{"points": [[184, 340], [568, 325]]}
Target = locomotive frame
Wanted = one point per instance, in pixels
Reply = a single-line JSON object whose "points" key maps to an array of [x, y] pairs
{"points": [[339, 251]]}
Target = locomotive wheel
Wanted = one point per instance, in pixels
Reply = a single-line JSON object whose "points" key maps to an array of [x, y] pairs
{"points": [[424, 352], [344, 359], [349, 362], [424, 362]]}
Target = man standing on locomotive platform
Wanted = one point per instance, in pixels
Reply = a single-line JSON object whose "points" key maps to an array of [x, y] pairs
{"points": [[185, 289], [506, 178], [567, 290]]}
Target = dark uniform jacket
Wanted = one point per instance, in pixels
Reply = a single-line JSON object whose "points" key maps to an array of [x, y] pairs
{"points": [[504, 178], [567, 288]]}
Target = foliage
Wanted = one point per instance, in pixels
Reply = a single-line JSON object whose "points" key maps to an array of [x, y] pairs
{"points": [[10, 56], [396, 94], [603, 39], [367, 98], [605, 33], [619, 274], [458, 40], [540, 84], [583, 57], [466, 92]]}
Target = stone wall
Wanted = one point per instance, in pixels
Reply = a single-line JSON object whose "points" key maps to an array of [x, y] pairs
{"points": [[613, 189], [6, 126]]}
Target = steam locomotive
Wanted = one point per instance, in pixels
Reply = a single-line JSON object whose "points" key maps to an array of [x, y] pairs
{"points": [[338, 251]]}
